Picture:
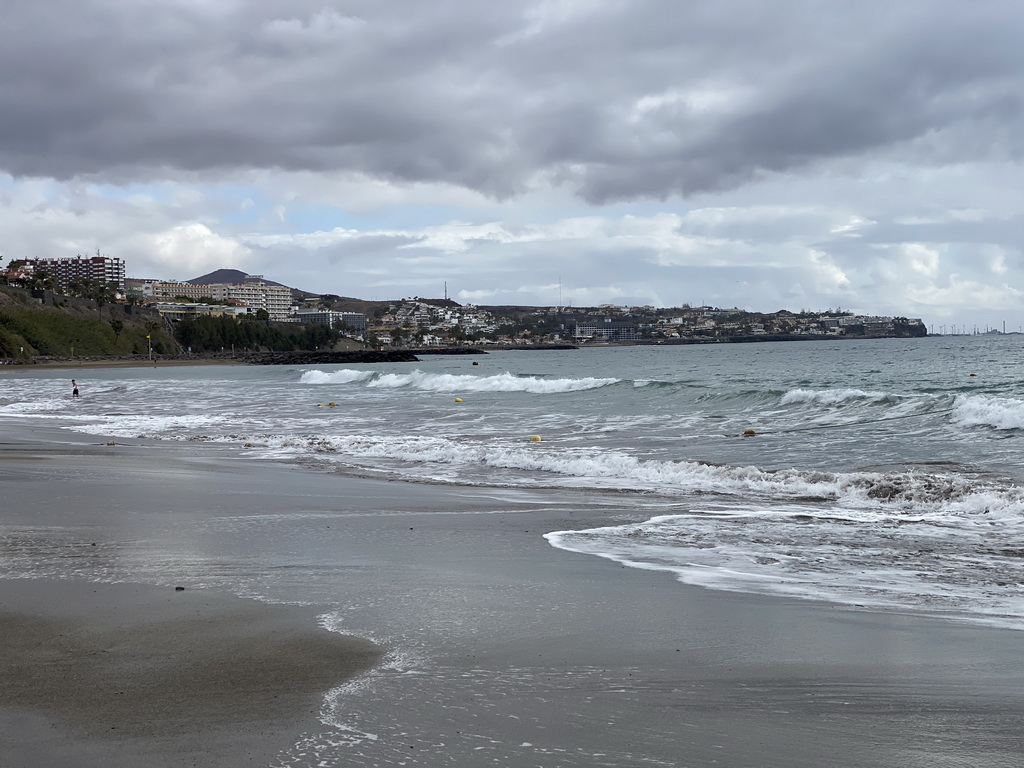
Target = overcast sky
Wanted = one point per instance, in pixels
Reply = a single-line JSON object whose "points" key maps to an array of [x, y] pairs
{"points": [[766, 155]]}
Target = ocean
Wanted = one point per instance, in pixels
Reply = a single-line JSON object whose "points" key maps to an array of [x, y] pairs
{"points": [[878, 473], [877, 478]]}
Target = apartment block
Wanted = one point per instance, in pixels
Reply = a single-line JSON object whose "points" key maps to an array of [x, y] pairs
{"points": [[101, 269]]}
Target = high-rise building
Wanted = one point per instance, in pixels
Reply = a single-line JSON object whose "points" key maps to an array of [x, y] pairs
{"points": [[101, 269]]}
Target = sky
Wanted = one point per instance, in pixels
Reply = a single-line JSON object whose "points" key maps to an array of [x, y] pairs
{"points": [[781, 154]]}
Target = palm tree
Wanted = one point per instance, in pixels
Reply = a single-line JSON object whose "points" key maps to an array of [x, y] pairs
{"points": [[102, 293], [41, 279]]}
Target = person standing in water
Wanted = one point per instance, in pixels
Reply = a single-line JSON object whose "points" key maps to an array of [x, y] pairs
{"points": [[74, 388]]}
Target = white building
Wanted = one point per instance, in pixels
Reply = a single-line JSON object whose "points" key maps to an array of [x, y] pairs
{"points": [[275, 299], [353, 320]]}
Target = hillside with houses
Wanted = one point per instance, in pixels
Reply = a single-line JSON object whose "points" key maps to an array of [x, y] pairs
{"points": [[200, 314]]}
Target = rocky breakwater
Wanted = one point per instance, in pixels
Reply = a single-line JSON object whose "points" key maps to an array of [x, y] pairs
{"points": [[331, 358]]}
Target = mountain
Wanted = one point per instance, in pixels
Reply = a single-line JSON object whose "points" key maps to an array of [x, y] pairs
{"points": [[229, 276]]}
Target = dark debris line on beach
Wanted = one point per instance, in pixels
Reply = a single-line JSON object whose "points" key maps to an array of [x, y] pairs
{"points": [[329, 358]]}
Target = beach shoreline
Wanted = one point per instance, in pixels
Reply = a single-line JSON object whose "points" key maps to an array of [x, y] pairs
{"points": [[120, 673], [519, 653], [120, 362]]}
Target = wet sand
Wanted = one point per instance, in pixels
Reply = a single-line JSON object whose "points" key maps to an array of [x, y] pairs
{"points": [[122, 362], [523, 655], [119, 674]]}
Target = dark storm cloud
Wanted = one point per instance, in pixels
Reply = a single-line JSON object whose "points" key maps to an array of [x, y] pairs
{"points": [[620, 100]]}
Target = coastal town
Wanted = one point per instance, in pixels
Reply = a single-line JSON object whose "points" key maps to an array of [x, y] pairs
{"points": [[417, 322]]}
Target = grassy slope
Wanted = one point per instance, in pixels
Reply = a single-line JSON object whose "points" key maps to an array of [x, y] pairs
{"points": [[74, 327]]}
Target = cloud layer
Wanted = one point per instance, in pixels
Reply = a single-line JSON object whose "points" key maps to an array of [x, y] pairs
{"points": [[828, 152]]}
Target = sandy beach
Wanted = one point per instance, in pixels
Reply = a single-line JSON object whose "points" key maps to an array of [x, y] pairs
{"points": [[119, 674], [123, 362], [515, 653]]}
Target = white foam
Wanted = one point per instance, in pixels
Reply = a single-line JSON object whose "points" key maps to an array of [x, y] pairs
{"points": [[944, 566], [41, 407], [910, 492], [175, 427], [344, 376], [831, 396], [987, 411], [502, 382]]}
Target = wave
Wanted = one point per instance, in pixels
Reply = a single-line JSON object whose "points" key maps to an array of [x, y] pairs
{"points": [[674, 384], [46, 407], [446, 382], [167, 427], [954, 567], [834, 396], [1001, 413], [925, 540], [344, 376], [905, 492]]}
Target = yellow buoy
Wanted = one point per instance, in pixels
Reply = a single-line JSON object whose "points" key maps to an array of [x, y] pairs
{"points": [[534, 438], [332, 405], [458, 399], [749, 432]]}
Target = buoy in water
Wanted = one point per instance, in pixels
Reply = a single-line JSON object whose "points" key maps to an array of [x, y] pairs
{"points": [[332, 405], [458, 399], [974, 374], [535, 438], [749, 432]]}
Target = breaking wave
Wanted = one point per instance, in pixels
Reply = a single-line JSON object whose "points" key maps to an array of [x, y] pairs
{"points": [[910, 492], [446, 382], [833, 396], [345, 376], [1002, 413]]}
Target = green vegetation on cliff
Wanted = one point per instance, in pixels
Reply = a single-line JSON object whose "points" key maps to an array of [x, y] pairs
{"points": [[43, 324], [76, 328]]}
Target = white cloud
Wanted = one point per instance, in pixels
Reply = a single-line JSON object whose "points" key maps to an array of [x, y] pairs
{"points": [[188, 249], [959, 293], [828, 277], [922, 259]]}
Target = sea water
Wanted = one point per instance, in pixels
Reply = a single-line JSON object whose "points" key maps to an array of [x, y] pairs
{"points": [[879, 473], [877, 476]]}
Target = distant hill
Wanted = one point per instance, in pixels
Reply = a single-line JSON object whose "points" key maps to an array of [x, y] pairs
{"points": [[230, 277], [349, 304], [449, 303], [373, 309]]}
